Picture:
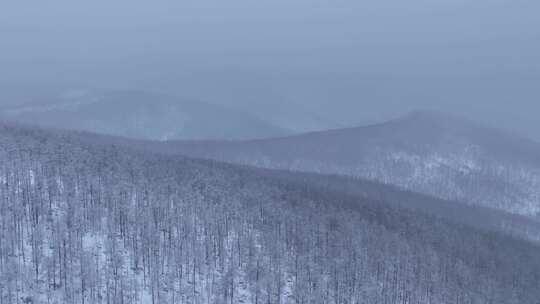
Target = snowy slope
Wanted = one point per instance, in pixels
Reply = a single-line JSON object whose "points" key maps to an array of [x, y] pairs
{"points": [[427, 152], [86, 221]]}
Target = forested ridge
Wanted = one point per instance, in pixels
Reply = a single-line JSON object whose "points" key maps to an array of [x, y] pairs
{"points": [[84, 221], [428, 152]]}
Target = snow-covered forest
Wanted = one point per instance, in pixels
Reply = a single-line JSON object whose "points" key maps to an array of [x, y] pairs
{"points": [[86, 221], [269, 152]]}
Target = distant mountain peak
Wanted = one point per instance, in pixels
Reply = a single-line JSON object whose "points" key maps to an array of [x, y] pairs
{"points": [[432, 116], [436, 123], [140, 114]]}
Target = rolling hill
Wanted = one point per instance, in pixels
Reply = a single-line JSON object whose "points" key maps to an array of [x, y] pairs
{"points": [[426, 152], [138, 114]]}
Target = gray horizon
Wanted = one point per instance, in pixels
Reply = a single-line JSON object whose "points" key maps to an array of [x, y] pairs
{"points": [[347, 62]]}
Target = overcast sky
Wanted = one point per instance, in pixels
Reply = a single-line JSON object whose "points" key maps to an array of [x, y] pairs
{"points": [[349, 61]]}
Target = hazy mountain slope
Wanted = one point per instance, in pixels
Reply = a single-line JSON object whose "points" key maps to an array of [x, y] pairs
{"points": [[86, 221], [457, 211], [426, 152], [140, 115]]}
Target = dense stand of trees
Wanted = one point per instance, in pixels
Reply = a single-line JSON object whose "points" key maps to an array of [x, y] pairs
{"points": [[95, 223]]}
